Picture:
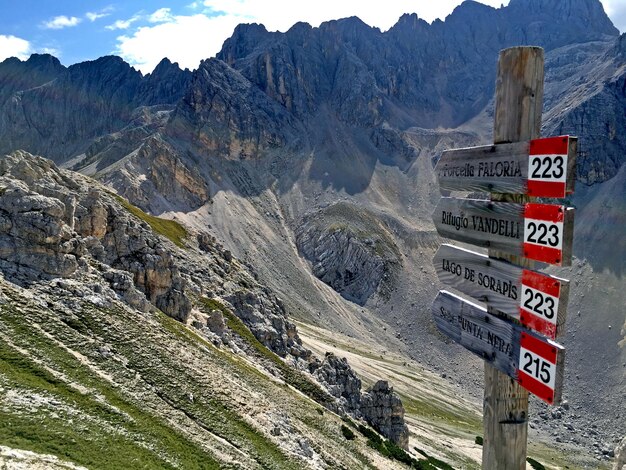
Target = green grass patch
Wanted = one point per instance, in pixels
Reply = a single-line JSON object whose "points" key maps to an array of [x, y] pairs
{"points": [[81, 439], [390, 450], [420, 451], [170, 229], [349, 422], [155, 365], [446, 414], [290, 375]]}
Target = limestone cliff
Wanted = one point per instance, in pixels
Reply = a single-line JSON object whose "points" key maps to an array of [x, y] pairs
{"points": [[350, 250]]}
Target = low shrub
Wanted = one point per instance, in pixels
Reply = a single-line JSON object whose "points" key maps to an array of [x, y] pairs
{"points": [[347, 432]]}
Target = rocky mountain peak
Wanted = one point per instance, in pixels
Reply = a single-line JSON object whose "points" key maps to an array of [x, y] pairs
{"points": [[409, 22], [301, 27], [468, 8], [348, 23], [17, 75], [166, 84], [245, 39], [104, 69], [44, 61], [588, 16], [164, 67]]}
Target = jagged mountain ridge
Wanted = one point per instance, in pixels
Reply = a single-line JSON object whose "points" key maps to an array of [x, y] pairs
{"points": [[303, 119], [401, 79], [58, 111], [439, 74]]}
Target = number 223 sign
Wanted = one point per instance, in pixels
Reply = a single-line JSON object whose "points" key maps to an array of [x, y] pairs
{"points": [[541, 232], [538, 168]]}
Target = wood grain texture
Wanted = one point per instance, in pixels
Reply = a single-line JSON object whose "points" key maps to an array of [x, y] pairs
{"points": [[571, 164], [493, 339], [518, 107], [476, 217], [474, 169], [496, 283], [519, 94], [568, 236], [499, 168]]}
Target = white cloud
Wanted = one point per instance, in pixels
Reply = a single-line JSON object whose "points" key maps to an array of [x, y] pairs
{"points": [[162, 15], [95, 15], [11, 46], [60, 22], [122, 24], [184, 39], [49, 50]]}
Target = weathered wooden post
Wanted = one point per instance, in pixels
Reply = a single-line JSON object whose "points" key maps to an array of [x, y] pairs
{"points": [[521, 311], [518, 107]]}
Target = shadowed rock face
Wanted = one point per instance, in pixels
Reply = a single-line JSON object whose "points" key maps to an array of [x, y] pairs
{"points": [[350, 250], [439, 74], [56, 111], [223, 114]]}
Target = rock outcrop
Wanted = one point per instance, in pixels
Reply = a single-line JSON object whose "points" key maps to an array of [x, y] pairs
{"points": [[33, 237], [54, 225], [379, 406], [350, 250], [382, 408], [157, 179], [341, 382]]}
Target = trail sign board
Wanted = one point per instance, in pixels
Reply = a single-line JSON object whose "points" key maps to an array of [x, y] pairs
{"points": [[542, 232], [535, 363], [537, 300], [539, 168]]}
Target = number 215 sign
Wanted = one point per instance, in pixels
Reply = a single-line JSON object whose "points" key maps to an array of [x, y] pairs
{"points": [[540, 367]]}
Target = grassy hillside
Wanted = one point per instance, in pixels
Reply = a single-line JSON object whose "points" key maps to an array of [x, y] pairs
{"points": [[112, 388]]}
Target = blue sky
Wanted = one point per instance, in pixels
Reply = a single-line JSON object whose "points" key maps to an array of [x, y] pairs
{"points": [[187, 31]]}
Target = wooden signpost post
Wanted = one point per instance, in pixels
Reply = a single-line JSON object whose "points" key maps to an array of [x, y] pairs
{"points": [[524, 309]]}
